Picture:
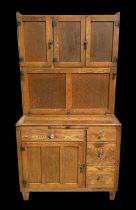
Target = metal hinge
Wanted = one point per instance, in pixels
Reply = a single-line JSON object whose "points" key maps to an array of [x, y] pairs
{"points": [[29, 113], [21, 59], [55, 60], [54, 22], [114, 73], [24, 183], [21, 75], [117, 23], [82, 166], [22, 149], [115, 60], [18, 23]]}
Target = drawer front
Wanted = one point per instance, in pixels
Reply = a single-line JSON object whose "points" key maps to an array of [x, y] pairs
{"points": [[45, 134], [101, 133], [101, 153], [100, 177]]}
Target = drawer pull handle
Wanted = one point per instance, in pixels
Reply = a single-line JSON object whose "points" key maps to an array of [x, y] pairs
{"points": [[51, 136], [100, 153], [99, 178], [101, 135]]}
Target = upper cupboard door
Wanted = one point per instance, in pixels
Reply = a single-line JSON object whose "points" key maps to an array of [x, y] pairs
{"points": [[102, 40], [69, 37], [34, 40]]}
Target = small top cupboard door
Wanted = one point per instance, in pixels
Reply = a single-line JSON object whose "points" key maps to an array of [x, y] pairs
{"points": [[34, 40], [102, 40], [69, 37]]}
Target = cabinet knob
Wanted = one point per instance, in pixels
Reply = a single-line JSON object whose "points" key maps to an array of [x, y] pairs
{"points": [[51, 136], [99, 178], [101, 134]]}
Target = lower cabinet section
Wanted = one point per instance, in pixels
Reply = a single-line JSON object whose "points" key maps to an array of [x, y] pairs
{"points": [[53, 164], [73, 159]]}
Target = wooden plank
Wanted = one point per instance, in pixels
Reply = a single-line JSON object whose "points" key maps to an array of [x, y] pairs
{"points": [[68, 91], [112, 89], [115, 40], [103, 17], [65, 70], [25, 94], [20, 165]]}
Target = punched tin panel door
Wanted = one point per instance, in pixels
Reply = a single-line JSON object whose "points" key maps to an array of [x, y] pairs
{"points": [[102, 33], [69, 36], [34, 37]]}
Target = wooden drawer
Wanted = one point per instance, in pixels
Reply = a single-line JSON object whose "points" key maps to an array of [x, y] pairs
{"points": [[101, 153], [45, 134], [101, 133], [100, 177]]}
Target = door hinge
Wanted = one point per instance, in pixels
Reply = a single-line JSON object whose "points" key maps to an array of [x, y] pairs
{"points": [[22, 149], [114, 73], [82, 166], [54, 22], [21, 75], [21, 59], [29, 113], [117, 23], [24, 183], [115, 60], [18, 23], [55, 60], [85, 44]]}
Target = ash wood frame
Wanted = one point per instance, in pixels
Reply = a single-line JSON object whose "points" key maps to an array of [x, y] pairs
{"points": [[25, 94], [67, 18], [20, 34], [111, 18]]}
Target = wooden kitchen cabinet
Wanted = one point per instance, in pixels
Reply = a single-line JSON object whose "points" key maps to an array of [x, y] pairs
{"points": [[68, 138]]}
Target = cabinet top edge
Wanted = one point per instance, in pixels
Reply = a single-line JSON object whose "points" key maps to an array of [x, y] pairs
{"points": [[64, 120]]}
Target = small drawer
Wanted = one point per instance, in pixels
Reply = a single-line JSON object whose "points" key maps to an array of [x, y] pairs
{"points": [[101, 153], [100, 177], [101, 133], [45, 134]]}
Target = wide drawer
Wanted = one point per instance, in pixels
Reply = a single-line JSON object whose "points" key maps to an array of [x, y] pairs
{"points": [[101, 133], [100, 177], [45, 134], [101, 153]]}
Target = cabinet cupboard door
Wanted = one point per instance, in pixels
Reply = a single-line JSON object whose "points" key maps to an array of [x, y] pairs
{"points": [[69, 37], [102, 40], [53, 164], [34, 36]]}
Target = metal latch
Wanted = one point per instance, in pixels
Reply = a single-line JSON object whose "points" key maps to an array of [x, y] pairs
{"points": [[82, 166], [85, 44]]}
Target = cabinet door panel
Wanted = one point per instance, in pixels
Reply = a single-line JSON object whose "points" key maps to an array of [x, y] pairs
{"points": [[34, 34], [69, 35], [53, 164], [44, 93], [90, 93], [102, 38]]}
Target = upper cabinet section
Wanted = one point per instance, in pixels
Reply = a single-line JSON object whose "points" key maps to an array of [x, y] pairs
{"points": [[68, 40]]}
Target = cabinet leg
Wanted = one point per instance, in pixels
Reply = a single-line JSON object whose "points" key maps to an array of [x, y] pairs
{"points": [[25, 196], [112, 195]]}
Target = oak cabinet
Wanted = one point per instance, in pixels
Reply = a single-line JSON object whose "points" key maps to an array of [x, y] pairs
{"points": [[68, 138], [68, 40]]}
